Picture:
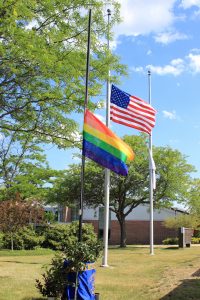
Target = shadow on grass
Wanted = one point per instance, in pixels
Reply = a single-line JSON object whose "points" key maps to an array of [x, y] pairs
{"points": [[20, 262], [171, 248], [189, 289], [128, 247], [30, 298], [196, 274]]}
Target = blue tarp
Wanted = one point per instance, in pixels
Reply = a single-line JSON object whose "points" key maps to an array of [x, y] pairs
{"points": [[86, 289]]}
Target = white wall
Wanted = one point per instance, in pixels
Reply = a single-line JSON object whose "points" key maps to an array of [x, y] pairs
{"points": [[139, 213]]}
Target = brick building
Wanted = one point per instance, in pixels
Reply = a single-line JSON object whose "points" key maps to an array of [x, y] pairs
{"points": [[137, 223]]}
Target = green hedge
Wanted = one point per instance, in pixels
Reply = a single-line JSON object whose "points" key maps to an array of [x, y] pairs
{"points": [[170, 241], [58, 236], [195, 240], [24, 239], [55, 237]]}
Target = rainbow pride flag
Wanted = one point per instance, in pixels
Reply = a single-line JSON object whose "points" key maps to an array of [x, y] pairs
{"points": [[102, 146]]}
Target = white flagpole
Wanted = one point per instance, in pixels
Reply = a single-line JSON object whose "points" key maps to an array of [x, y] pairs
{"points": [[107, 171], [151, 170]]}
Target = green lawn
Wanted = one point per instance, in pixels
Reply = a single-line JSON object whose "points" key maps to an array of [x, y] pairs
{"points": [[133, 274]]}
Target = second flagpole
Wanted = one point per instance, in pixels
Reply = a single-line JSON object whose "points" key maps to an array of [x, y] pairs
{"points": [[150, 178], [85, 106], [107, 172]]}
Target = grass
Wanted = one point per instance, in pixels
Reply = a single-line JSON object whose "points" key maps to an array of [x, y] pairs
{"points": [[133, 274]]}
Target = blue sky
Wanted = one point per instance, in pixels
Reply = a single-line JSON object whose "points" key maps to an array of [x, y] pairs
{"points": [[162, 36]]}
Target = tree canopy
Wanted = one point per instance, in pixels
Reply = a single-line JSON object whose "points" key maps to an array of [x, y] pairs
{"points": [[23, 168], [173, 175], [194, 197], [42, 65], [15, 214]]}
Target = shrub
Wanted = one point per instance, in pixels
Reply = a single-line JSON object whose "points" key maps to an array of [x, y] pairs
{"points": [[58, 236], [54, 279], [195, 240], [183, 220], [1, 240], [197, 233], [170, 241], [72, 260], [25, 238]]}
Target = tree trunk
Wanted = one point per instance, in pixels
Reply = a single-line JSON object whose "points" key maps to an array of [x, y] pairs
{"points": [[12, 244], [122, 224]]}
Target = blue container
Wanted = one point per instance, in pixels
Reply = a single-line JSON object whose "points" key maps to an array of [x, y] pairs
{"points": [[86, 281]]}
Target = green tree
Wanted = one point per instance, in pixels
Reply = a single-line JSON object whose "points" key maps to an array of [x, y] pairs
{"points": [[23, 168], [126, 193], [183, 220], [17, 213], [194, 198], [42, 65]]}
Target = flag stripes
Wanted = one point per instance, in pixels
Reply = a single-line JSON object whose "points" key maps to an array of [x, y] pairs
{"points": [[103, 146], [131, 111]]}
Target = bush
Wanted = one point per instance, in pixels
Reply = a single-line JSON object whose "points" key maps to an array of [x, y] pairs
{"points": [[54, 279], [170, 241], [197, 233], [73, 259], [58, 236], [1, 240], [195, 240], [25, 238]]}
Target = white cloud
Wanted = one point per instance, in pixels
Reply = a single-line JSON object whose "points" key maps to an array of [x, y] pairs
{"points": [[149, 52], [138, 70], [190, 63], [170, 115], [143, 17], [176, 67], [194, 62], [189, 3], [169, 37]]}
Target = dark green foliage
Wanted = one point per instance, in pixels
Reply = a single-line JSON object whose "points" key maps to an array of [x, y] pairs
{"points": [[195, 240], [80, 253], [197, 233], [54, 279], [50, 217], [25, 238], [55, 237], [58, 236], [75, 256], [1, 240], [170, 241]]}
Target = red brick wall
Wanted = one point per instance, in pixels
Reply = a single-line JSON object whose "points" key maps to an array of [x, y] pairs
{"points": [[137, 232]]}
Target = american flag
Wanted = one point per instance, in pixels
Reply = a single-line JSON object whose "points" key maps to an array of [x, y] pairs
{"points": [[131, 111]]}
